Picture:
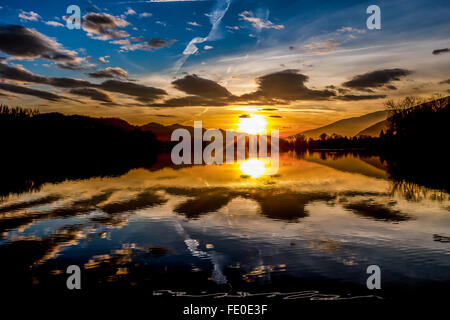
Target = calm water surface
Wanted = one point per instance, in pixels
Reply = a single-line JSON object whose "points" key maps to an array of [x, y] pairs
{"points": [[316, 225]]}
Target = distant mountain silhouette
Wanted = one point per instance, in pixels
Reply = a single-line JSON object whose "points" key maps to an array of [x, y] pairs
{"points": [[374, 130], [348, 127], [162, 132]]}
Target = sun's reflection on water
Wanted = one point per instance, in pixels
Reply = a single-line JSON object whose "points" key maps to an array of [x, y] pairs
{"points": [[254, 168]]}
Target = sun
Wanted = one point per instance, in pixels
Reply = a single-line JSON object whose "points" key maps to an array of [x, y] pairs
{"points": [[252, 124], [253, 167]]}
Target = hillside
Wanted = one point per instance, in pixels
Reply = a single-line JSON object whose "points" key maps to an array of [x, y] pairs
{"points": [[163, 133], [348, 127], [374, 130]]}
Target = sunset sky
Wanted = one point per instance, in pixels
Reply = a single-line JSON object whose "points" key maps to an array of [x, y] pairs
{"points": [[299, 64]]}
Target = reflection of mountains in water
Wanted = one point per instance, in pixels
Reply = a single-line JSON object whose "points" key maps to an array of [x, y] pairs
{"points": [[370, 166]]}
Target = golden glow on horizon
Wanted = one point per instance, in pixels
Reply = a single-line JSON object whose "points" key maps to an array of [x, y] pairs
{"points": [[254, 124], [253, 168]]}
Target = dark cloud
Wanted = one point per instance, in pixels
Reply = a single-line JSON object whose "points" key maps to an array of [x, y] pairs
{"points": [[189, 101], [103, 26], [140, 92], [19, 74], [445, 81], [157, 43], [269, 109], [244, 116], [21, 42], [351, 97], [165, 115], [73, 66], [376, 79], [275, 116], [7, 96], [440, 51], [194, 85], [92, 93], [28, 91], [109, 73], [202, 92], [286, 85], [67, 82], [343, 90]]}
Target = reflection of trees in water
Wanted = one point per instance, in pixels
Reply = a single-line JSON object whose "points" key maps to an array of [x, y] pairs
{"points": [[377, 211], [414, 192]]}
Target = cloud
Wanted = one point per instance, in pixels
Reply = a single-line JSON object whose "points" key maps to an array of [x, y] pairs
{"points": [[445, 81], [129, 12], [440, 51], [202, 92], [232, 28], [30, 15], [283, 86], [376, 79], [193, 23], [145, 15], [351, 30], [140, 44], [259, 23], [193, 84], [140, 92], [275, 116], [189, 101], [351, 97], [28, 91], [74, 65], [92, 93], [109, 72], [165, 115], [54, 24], [67, 82], [175, 1], [103, 26], [322, 47], [208, 47], [103, 60], [19, 74], [158, 43], [24, 43], [4, 95], [244, 116]]}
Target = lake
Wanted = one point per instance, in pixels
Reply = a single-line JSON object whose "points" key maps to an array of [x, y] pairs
{"points": [[308, 232]]}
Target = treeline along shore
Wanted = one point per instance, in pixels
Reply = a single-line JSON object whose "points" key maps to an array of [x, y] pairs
{"points": [[414, 146], [52, 147]]}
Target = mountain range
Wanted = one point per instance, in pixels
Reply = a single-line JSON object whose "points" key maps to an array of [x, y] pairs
{"points": [[369, 124]]}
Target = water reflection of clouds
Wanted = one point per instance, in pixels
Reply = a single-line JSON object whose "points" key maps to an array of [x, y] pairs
{"points": [[310, 207]]}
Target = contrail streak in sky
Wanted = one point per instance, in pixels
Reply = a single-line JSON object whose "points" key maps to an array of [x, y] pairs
{"points": [[215, 18]]}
